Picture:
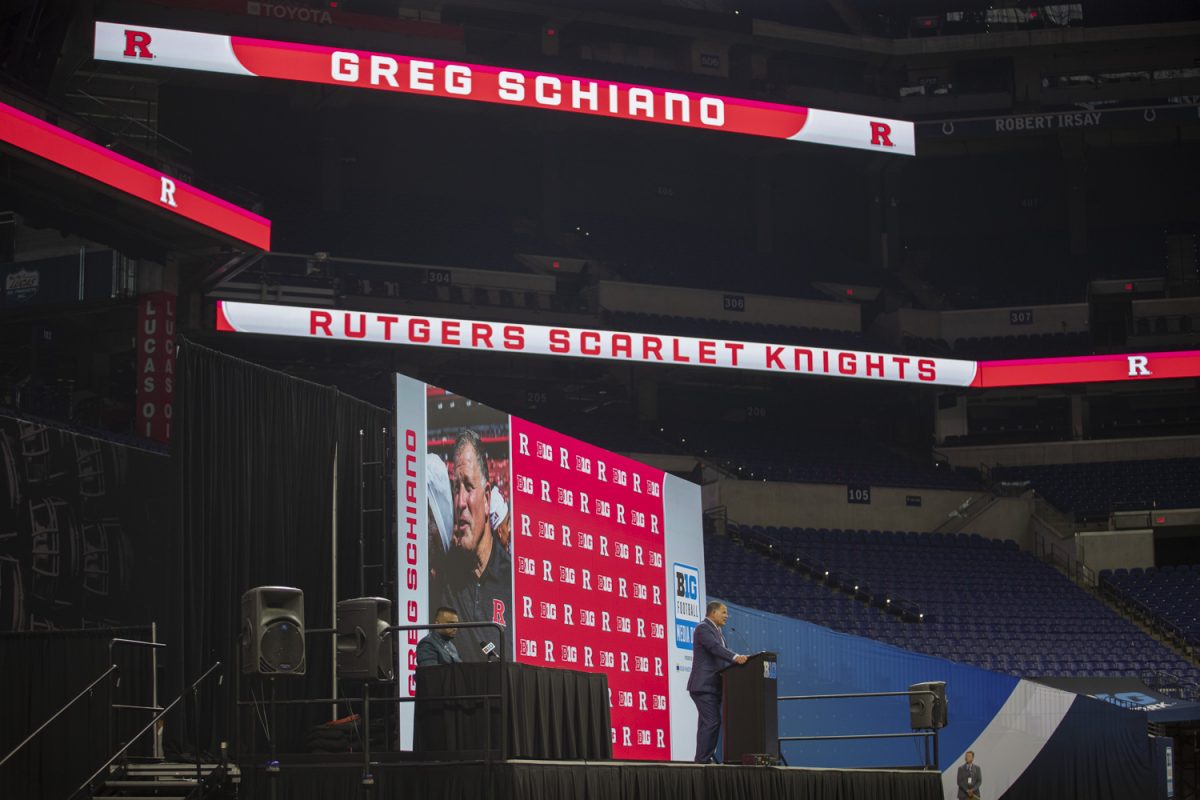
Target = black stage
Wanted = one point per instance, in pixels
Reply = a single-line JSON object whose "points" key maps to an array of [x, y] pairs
{"points": [[581, 780]]}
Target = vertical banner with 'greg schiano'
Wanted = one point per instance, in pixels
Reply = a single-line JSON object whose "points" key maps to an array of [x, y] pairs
{"points": [[412, 548]]}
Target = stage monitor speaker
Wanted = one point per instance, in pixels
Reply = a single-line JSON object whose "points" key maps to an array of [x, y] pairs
{"points": [[273, 631], [927, 711], [364, 645]]}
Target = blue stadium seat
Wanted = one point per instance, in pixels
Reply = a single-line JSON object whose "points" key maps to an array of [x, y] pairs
{"points": [[1096, 489], [984, 601]]}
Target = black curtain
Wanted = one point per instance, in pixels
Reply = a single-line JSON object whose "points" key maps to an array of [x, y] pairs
{"points": [[366, 560], [254, 451], [613, 781], [365, 499]]}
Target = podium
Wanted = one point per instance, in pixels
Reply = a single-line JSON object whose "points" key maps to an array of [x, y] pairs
{"points": [[749, 711]]}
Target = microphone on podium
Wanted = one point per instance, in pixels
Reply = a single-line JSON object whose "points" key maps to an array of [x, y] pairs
{"points": [[733, 642], [489, 650]]}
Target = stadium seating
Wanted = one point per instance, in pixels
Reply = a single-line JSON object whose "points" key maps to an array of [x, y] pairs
{"points": [[1167, 596], [739, 331], [1039, 345], [744, 576], [984, 601], [1117, 417], [1099, 488], [926, 346], [823, 458]]}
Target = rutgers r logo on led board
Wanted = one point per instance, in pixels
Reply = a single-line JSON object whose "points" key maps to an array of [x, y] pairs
{"points": [[881, 134], [137, 44]]}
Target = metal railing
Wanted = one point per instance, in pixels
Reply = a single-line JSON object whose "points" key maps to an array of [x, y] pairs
{"points": [[1171, 684], [926, 735], [1144, 615], [716, 521], [154, 647], [193, 689], [1058, 553], [86, 691]]}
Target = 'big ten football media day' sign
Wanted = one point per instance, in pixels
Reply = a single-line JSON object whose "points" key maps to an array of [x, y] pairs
{"points": [[240, 55]]}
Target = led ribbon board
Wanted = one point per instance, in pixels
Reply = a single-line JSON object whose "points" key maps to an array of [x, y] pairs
{"points": [[1089, 369], [86, 158], [240, 55], [507, 337]]}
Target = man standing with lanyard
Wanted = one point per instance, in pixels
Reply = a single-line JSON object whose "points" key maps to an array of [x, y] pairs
{"points": [[709, 657], [969, 778]]}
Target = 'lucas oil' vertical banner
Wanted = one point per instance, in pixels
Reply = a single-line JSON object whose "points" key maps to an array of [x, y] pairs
{"points": [[155, 365], [586, 559]]}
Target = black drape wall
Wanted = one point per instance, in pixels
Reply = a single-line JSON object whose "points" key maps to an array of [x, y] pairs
{"points": [[84, 544], [254, 451], [363, 456]]}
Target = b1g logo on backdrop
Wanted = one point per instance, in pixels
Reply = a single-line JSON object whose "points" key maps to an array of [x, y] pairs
{"points": [[686, 582]]}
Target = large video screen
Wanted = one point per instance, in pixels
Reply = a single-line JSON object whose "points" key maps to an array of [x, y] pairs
{"points": [[587, 559]]}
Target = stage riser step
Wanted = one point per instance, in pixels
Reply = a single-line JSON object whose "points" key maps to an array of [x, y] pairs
{"points": [[167, 773], [145, 769]]}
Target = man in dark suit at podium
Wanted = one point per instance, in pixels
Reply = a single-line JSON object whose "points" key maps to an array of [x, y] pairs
{"points": [[709, 657]]}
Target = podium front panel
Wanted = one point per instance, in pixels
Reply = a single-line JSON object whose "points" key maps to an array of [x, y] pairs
{"points": [[749, 710]]}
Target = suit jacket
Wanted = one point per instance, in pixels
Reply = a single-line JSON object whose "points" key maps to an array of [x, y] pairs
{"points": [[435, 649], [976, 776], [709, 656]]}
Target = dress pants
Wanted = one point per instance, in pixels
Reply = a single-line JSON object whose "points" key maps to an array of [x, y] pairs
{"points": [[708, 726]]}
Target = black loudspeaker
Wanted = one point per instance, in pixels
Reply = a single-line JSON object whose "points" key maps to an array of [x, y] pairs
{"points": [[927, 711], [273, 631], [364, 645]]}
